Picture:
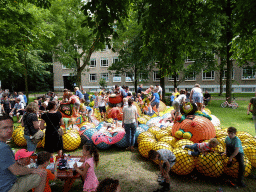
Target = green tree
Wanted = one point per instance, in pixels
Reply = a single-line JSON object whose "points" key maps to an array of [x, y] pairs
{"points": [[103, 83]]}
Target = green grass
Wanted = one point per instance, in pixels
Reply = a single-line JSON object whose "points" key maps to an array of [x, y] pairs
{"points": [[138, 174]]}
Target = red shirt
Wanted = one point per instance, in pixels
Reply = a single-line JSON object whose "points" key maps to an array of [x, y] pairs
{"points": [[50, 176]]}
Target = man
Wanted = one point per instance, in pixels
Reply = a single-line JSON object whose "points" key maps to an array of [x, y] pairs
{"points": [[20, 96], [120, 90], [252, 109], [78, 93], [9, 169], [207, 97], [160, 90], [139, 90]]}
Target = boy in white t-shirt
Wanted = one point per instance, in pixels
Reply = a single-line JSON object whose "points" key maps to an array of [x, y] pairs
{"points": [[102, 105]]}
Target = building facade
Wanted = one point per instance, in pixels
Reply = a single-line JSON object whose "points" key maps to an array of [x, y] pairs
{"points": [[244, 79]]}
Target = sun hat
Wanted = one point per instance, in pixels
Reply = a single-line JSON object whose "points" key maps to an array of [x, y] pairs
{"points": [[23, 153]]}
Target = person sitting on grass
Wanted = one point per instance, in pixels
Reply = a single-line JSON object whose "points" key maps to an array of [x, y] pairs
{"points": [[43, 160], [166, 160], [22, 157], [109, 185], [201, 147], [17, 109], [234, 149], [10, 169]]}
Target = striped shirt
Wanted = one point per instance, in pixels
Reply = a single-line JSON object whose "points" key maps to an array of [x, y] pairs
{"points": [[202, 147]]}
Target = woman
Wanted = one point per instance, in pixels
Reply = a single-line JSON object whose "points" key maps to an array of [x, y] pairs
{"points": [[53, 120], [31, 124], [6, 105], [196, 96], [130, 123]]}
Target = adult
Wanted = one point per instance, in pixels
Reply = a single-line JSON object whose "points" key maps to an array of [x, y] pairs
{"points": [[252, 109], [179, 101], [10, 169], [12, 98], [6, 104], [120, 91], [31, 124], [130, 123], [139, 90], [155, 100], [160, 91], [78, 93], [17, 109], [207, 97], [127, 90], [53, 120], [25, 99], [21, 97], [196, 96]]}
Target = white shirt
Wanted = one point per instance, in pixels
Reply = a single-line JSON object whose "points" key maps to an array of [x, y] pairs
{"points": [[101, 101], [160, 90], [181, 97], [21, 99], [129, 114]]}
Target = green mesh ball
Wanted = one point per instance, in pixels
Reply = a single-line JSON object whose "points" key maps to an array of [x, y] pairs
{"points": [[210, 164]]}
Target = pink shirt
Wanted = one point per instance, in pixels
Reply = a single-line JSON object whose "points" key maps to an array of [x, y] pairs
{"points": [[91, 182]]}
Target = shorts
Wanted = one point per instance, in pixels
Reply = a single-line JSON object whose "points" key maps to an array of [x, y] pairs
{"points": [[198, 99], [26, 183], [102, 109], [155, 104]]}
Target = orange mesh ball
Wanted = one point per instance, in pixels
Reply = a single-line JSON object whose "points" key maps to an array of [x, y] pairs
{"points": [[200, 127]]}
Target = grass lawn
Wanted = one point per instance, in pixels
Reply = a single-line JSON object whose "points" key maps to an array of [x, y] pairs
{"points": [[137, 174]]}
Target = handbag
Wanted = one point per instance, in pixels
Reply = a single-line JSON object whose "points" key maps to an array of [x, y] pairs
{"points": [[38, 136], [60, 130]]}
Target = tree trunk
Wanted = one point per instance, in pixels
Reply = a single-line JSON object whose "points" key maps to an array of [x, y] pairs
{"points": [[229, 62], [26, 75], [162, 83], [135, 80]]}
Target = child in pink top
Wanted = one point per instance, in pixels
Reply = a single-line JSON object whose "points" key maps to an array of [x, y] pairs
{"points": [[201, 147], [91, 156]]}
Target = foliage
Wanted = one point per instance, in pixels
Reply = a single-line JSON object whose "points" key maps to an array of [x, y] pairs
{"points": [[103, 83]]}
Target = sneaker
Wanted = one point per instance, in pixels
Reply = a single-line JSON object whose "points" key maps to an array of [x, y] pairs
{"points": [[189, 152], [183, 147]]}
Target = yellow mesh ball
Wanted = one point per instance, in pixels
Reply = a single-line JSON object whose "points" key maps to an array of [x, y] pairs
{"points": [[184, 163], [142, 120], [250, 152], [161, 145], [222, 141], [182, 142], [208, 111], [161, 134], [233, 170], [71, 140], [42, 142], [187, 135], [219, 149], [17, 129], [249, 141], [146, 145], [154, 130], [19, 139], [169, 139], [145, 135], [110, 120], [243, 135], [169, 128], [178, 134], [147, 117], [210, 164], [220, 133]]}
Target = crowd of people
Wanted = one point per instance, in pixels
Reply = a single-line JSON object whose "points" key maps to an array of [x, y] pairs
{"points": [[45, 108]]}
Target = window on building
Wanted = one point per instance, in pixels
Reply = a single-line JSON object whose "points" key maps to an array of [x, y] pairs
{"points": [[210, 90], [104, 76], [104, 62], [224, 89], [143, 77], [248, 73], [93, 77], [225, 74], [208, 75], [171, 90], [248, 89], [191, 76], [171, 78], [117, 78], [115, 59], [93, 63], [156, 76], [129, 77]]}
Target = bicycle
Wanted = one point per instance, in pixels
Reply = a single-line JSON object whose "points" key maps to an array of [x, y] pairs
{"points": [[233, 104]]}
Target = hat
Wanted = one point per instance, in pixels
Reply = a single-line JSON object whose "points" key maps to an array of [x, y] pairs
{"points": [[23, 153]]}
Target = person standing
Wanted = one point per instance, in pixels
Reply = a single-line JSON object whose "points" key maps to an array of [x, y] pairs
{"points": [[252, 109], [78, 93], [196, 96], [139, 90], [155, 101], [53, 120], [31, 124], [160, 91], [130, 123], [6, 105], [21, 97]]}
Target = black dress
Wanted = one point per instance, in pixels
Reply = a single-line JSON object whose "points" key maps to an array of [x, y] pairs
{"points": [[53, 141]]}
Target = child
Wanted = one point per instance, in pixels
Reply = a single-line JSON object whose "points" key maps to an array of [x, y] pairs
{"points": [[88, 112], [167, 160], [95, 98], [202, 147], [102, 105], [109, 185], [155, 101], [234, 149], [91, 156], [43, 160], [125, 101]]}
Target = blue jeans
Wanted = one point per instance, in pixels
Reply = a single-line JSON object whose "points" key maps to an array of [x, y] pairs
{"points": [[30, 145], [195, 148], [130, 130]]}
